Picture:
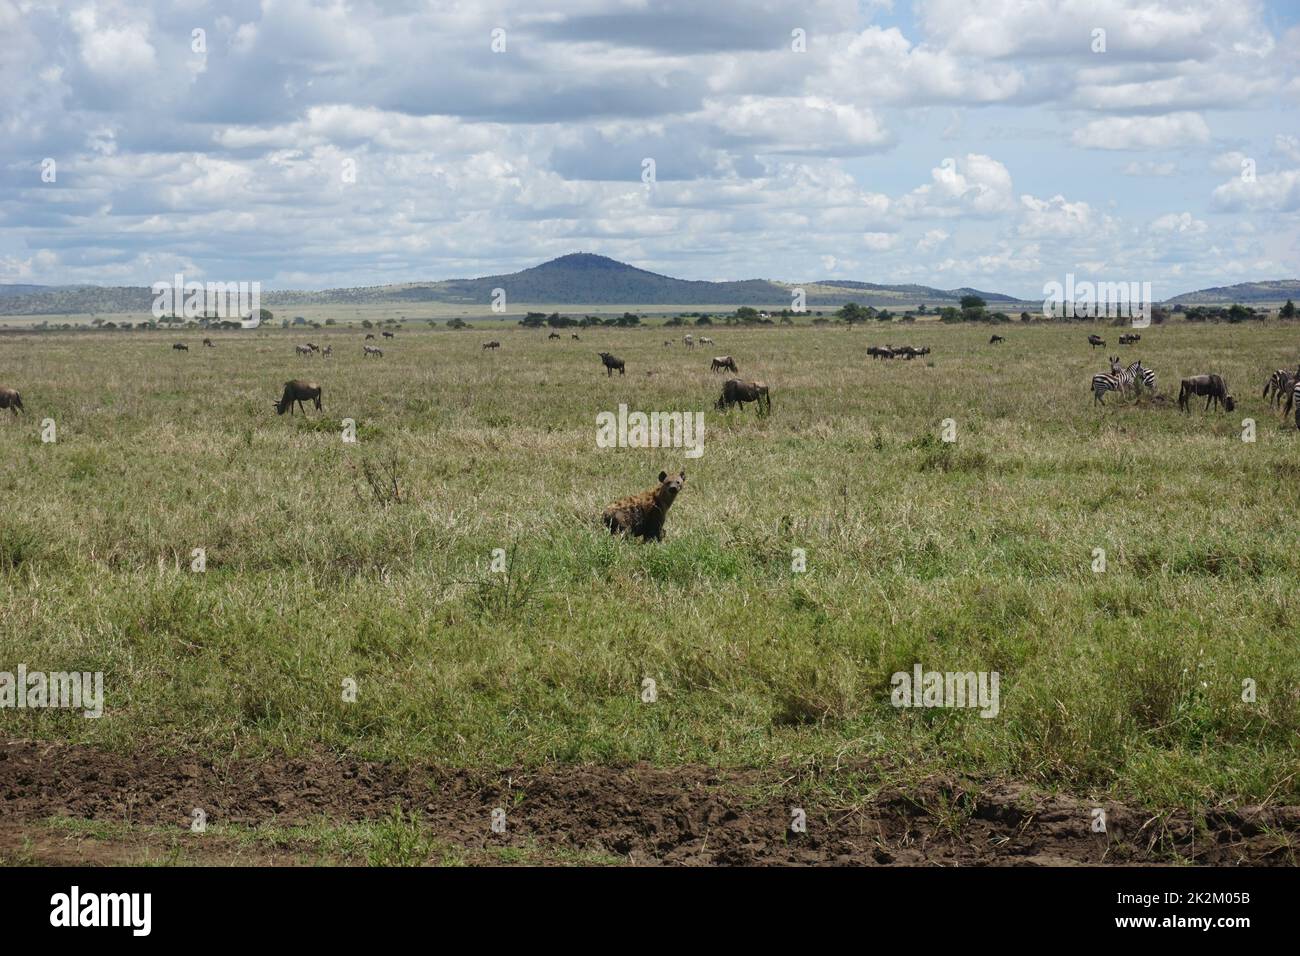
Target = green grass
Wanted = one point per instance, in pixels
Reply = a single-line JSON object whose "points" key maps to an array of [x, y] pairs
{"points": [[973, 556]]}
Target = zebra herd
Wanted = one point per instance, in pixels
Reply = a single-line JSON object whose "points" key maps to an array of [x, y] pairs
{"points": [[1122, 380]]}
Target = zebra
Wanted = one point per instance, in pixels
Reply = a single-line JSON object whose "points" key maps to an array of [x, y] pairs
{"points": [[1116, 380], [1280, 383], [1139, 373]]}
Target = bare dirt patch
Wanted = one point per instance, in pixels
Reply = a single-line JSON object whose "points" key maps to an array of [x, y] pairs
{"points": [[638, 814]]}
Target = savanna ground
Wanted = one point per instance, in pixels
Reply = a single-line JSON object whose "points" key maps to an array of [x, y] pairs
{"points": [[476, 690]]}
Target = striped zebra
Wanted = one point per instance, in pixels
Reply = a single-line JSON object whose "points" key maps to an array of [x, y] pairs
{"points": [[1112, 381], [1140, 373], [1280, 383]]}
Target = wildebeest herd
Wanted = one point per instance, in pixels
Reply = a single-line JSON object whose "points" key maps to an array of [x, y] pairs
{"points": [[643, 514]]}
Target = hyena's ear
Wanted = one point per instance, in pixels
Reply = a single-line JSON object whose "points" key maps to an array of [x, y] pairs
{"points": [[663, 475]]}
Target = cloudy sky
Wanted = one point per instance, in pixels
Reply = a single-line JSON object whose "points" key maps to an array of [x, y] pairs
{"points": [[949, 142]]}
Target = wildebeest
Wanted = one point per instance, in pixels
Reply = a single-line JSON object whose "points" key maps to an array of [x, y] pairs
{"points": [[911, 352], [575, 338], [612, 363], [668, 343], [736, 391], [994, 340], [180, 347], [297, 391], [207, 343], [494, 344], [1281, 383], [389, 335], [1211, 386], [10, 399], [553, 335], [369, 350], [723, 361], [328, 350], [370, 335], [705, 341], [313, 346], [1096, 340], [1128, 338], [303, 349], [688, 341], [880, 351]]}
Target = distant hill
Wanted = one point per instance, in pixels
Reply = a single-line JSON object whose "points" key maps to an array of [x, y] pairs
{"points": [[1278, 290], [585, 279]]}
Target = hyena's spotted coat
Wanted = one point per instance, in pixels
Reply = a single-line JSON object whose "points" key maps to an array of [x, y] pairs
{"points": [[643, 515]]}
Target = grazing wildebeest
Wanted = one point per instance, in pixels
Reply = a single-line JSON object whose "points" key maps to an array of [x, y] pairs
{"points": [[327, 351], [705, 341], [1281, 383], [612, 363], [1211, 386], [723, 361], [880, 351], [313, 346], [297, 391], [553, 335], [494, 344], [10, 399], [1128, 338], [575, 338], [389, 335], [369, 350], [369, 335], [303, 349], [1096, 340], [994, 340], [207, 343], [737, 392], [688, 341], [180, 347]]}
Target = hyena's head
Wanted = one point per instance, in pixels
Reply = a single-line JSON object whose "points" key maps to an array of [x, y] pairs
{"points": [[669, 485]]}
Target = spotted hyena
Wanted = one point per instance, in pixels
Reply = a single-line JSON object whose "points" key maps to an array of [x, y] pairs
{"points": [[644, 514]]}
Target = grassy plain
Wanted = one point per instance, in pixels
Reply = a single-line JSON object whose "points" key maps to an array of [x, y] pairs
{"points": [[971, 556]]}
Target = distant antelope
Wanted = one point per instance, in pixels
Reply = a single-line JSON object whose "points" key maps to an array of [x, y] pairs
{"points": [[10, 399], [389, 335], [688, 341], [738, 392], [207, 343], [1096, 340], [553, 335], [612, 363], [369, 350], [996, 339], [494, 344], [1211, 386], [297, 391], [723, 361], [180, 347], [705, 341], [303, 349]]}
